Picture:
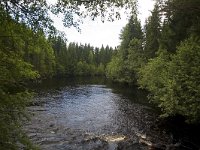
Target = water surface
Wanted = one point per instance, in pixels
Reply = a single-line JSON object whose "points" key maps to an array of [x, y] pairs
{"points": [[93, 114]]}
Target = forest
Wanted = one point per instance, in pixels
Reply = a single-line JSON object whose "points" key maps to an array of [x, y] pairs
{"points": [[162, 57]]}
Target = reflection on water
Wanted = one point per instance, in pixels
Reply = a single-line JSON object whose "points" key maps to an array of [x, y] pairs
{"points": [[74, 111], [95, 106], [96, 109]]}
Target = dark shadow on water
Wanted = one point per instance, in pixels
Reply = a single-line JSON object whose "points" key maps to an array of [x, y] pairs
{"points": [[55, 83], [129, 92]]}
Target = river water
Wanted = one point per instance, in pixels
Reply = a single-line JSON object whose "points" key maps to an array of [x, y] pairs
{"points": [[92, 113]]}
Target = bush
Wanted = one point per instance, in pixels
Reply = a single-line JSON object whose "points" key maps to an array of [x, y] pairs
{"points": [[175, 81]]}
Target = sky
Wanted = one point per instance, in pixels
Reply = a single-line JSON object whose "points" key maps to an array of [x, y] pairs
{"points": [[97, 33]]}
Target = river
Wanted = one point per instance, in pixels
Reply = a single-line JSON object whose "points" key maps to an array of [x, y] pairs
{"points": [[92, 113]]}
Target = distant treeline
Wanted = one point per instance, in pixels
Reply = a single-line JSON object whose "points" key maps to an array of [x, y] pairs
{"points": [[53, 57], [79, 60]]}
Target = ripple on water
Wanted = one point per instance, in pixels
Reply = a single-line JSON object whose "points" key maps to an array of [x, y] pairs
{"points": [[87, 117]]}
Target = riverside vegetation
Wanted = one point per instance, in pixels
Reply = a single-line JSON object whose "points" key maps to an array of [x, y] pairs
{"points": [[162, 57]]}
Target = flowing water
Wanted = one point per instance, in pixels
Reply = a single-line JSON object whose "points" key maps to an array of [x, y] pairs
{"points": [[87, 114]]}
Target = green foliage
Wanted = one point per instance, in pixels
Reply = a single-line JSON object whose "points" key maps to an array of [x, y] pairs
{"points": [[181, 21], [130, 31], [40, 54], [25, 56], [174, 82], [152, 33], [153, 76], [14, 97], [185, 72], [100, 70], [82, 60], [136, 58], [115, 69], [166, 61], [34, 14], [83, 69], [130, 57]]}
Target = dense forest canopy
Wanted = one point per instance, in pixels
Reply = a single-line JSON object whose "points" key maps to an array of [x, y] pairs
{"points": [[162, 57]]}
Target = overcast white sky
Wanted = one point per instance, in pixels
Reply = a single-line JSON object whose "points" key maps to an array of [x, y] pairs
{"points": [[97, 33]]}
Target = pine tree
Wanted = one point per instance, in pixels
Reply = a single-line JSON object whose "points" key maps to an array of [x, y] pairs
{"points": [[152, 33]]}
